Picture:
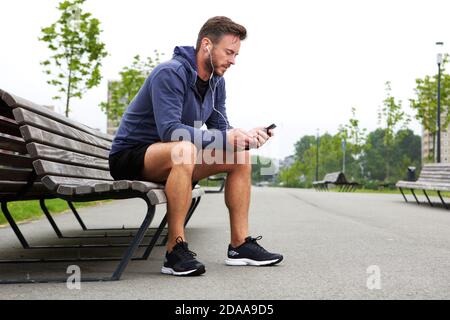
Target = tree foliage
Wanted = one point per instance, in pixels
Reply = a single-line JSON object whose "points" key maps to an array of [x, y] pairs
{"points": [[74, 65], [123, 91], [425, 102]]}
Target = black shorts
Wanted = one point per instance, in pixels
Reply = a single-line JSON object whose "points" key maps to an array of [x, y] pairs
{"points": [[128, 164]]}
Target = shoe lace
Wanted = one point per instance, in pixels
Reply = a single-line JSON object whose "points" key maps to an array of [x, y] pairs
{"points": [[256, 244], [186, 253]]}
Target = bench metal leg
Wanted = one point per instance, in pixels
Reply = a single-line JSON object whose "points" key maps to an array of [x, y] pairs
{"points": [[412, 191], [191, 211], [137, 240], [83, 226], [443, 202], [77, 216], [404, 197], [153, 241], [14, 226], [126, 258], [26, 245], [426, 195]]}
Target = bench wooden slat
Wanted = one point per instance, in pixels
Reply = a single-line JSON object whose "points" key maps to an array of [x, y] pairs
{"points": [[14, 174], [32, 134], [37, 150], [15, 101], [23, 117], [8, 158], [157, 196], [45, 167], [433, 176], [144, 186], [73, 186], [15, 186], [420, 186], [12, 143], [53, 182], [9, 126], [5, 110]]}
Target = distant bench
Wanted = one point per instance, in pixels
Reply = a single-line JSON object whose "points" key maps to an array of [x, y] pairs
{"points": [[433, 177], [215, 178], [337, 179], [45, 155]]}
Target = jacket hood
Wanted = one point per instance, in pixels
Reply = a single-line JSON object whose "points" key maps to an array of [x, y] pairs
{"points": [[188, 53], [187, 56]]}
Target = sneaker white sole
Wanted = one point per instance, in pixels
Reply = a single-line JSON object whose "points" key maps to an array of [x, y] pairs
{"points": [[166, 270], [249, 262]]}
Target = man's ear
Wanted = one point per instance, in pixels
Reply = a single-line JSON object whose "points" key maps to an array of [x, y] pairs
{"points": [[207, 44]]}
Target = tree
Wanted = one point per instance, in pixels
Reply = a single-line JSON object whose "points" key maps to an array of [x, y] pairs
{"points": [[355, 138], [374, 158], [405, 151], [353, 133], [391, 117], [425, 103], [123, 91], [76, 52], [302, 145]]}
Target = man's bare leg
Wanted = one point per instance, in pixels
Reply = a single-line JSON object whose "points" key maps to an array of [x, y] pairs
{"points": [[237, 190], [160, 165]]}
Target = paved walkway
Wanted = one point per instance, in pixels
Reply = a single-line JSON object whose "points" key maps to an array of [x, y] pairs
{"points": [[334, 245]]}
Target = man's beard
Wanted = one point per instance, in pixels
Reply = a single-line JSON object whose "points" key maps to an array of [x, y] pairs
{"points": [[209, 67]]}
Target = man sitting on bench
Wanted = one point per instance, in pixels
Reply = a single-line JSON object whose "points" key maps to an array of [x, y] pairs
{"points": [[159, 139]]}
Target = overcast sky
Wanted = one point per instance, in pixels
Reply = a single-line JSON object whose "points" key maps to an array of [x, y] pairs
{"points": [[304, 65]]}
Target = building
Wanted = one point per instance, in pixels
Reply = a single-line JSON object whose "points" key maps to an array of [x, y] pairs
{"points": [[112, 124], [287, 162], [428, 145]]}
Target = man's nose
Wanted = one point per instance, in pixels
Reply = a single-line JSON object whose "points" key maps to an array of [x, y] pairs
{"points": [[232, 60]]}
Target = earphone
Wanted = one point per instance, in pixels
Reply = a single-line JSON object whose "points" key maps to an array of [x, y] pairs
{"points": [[213, 91]]}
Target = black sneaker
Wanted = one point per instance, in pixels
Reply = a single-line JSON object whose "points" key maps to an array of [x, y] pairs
{"points": [[251, 253], [181, 261]]}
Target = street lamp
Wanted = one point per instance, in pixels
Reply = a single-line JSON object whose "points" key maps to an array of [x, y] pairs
{"points": [[317, 156], [439, 62], [344, 146]]}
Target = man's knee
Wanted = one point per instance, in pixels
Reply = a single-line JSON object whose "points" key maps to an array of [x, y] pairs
{"points": [[184, 153], [243, 162]]}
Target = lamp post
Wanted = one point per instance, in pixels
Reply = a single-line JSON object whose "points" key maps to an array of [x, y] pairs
{"points": [[344, 146], [438, 147], [317, 156]]}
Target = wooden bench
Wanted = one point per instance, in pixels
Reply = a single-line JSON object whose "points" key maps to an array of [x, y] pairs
{"points": [[337, 179], [434, 177], [216, 178], [46, 155]]}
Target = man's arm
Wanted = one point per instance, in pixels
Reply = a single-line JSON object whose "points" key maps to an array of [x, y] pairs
{"points": [[167, 91]]}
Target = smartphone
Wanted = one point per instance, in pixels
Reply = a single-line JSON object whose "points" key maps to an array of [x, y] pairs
{"points": [[272, 126]]}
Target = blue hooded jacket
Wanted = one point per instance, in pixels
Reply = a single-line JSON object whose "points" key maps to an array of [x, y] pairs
{"points": [[169, 101]]}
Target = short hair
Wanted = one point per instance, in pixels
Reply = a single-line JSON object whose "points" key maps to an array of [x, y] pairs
{"points": [[216, 27]]}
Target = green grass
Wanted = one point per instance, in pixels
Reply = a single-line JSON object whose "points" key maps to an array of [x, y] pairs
{"points": [[30, 210]]}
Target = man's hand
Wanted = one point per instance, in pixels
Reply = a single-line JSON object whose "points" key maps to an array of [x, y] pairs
{"points": [[261, 135], [241, 140]]}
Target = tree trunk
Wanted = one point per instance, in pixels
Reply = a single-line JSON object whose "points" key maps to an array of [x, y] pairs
{"points": [[68, 92]]}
